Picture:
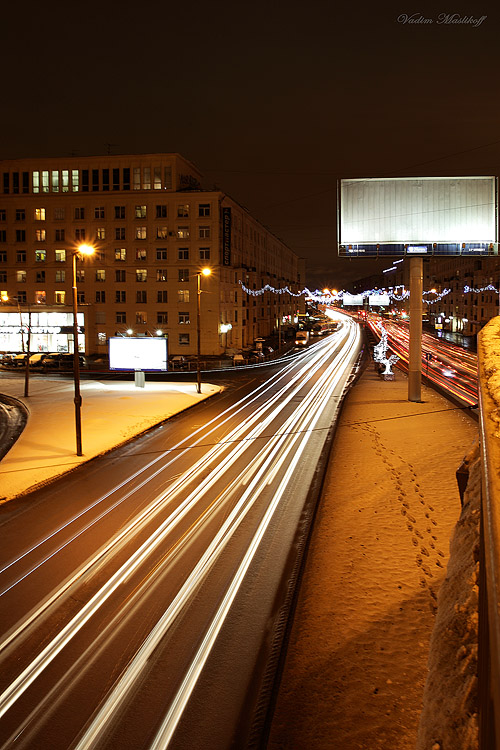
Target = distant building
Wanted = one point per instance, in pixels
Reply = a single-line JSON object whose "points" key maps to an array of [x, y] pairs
{"points": [[153, 228]]}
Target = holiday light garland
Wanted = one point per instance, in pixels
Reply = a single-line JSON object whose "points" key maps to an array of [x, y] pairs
{"points": [[324, 298]]}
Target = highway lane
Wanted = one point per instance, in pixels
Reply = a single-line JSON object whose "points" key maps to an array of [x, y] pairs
{"points": [[136, 594]]}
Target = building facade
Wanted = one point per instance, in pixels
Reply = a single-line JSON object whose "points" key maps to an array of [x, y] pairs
{"points": [[153, 228]]}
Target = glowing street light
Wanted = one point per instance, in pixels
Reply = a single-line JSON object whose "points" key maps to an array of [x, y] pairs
{"points": [[80, 251], [204, 272]]}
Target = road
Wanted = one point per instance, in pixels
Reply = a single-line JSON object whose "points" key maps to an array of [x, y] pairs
{"points": [[140, 594]]}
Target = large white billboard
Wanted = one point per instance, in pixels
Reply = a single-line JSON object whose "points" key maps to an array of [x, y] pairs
{"points": [[418, 210], [128, 353]]}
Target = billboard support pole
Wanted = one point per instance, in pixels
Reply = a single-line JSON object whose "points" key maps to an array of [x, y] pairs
{"points": [[415, 360]]}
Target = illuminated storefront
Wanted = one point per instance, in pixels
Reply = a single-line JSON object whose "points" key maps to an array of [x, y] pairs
{"points": [[49, 331]]}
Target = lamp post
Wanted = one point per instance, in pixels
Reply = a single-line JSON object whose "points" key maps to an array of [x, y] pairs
{"points": [[81, 250], [203, 272]]}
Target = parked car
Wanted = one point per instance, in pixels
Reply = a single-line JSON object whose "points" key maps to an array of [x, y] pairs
{"points": [[61, 362], [37, 360], [18, 360], [179, 363]]}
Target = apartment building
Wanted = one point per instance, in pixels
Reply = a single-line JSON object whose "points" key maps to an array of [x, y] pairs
{"points": [[153, 227]]}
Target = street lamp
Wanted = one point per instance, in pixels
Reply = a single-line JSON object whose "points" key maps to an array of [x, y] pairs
{"points": [[203, 272], [81, 250]]}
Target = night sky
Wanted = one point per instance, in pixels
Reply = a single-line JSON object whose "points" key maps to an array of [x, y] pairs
{"points": [[273, 102]]}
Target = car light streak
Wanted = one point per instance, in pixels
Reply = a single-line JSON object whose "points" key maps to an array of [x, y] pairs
{"points": [[274, 462], [17, 688]]}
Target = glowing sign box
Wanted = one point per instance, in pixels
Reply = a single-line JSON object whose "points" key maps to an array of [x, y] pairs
{"points": [[352, 299], [417, 216], [379, 299], [137, 353]]}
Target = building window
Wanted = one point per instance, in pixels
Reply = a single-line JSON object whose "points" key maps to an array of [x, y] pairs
{"points": [[204, 233], [161, 233], [80, 275], [101, 233], [80, 297], [60, 256], [75, 177], [121, 317], [157, 178], [39, 214], [146, 178], [26, 182], [162, 317], [105, 179], [85, 180], [95, 180], [204, 253], [3, 235], [3, 214], [161, 211], [100, 296], [140, 253], [21, 277], [137, 178], [167, 178], [3, 256], [126, 178], [183, 211], [161, 253], [45, 181], [65, 180], [60, 297], [60, 235], [119, 212], [59, 214], [162, 296], [79, 213], [100, 275], [15, 182], [184, 318], [140, 233], [182, 233], [183, 295], [120, 295], [141, 297], [120, 253], [20, 214], [21, 297], [140, 212], [80, 234], [40, 235], [21, 256], [41, 297], [40, 277], [141, 274], [161, 274], [116, 179], [99, 212], [141, 318], [61, 276], [204, 209], [55, 181], [120, 275], [99, 255], [183, 339], [40, 256], [183, 253], [119, 233], [35, 182], [183, 274]]}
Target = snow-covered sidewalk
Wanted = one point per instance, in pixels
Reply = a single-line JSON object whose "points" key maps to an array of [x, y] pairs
{"points": [[357, 660]]}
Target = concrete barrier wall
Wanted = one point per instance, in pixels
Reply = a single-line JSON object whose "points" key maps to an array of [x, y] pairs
{"points": [[489, 626]]}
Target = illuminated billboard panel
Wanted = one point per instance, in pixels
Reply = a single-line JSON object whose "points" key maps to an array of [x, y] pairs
{"points": [[352, 299], [424, 215], [128, 353]]}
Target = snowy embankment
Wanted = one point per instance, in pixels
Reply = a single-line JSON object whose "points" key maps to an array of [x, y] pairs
{"points": [[449, 718]]}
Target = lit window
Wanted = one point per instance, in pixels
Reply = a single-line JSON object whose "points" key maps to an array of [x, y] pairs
{"points": [[157, 178], [40, 256], [183, 274], [146, 178], [137, 178], [141, 274], [120, 253], [100, 274], [141, 318], [75, 184], [36, 182], [60, 256], [140, 233], [161, 233], [183, 295], [140, 253], [100, 233], [65, 180], [40, 297], [21, 277], [80, 275], [140, 212], [183, 210], [60, 298], [39, 214], [183, 233], [55, 181], [40, 235], [45, 182], [161, 274]]}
